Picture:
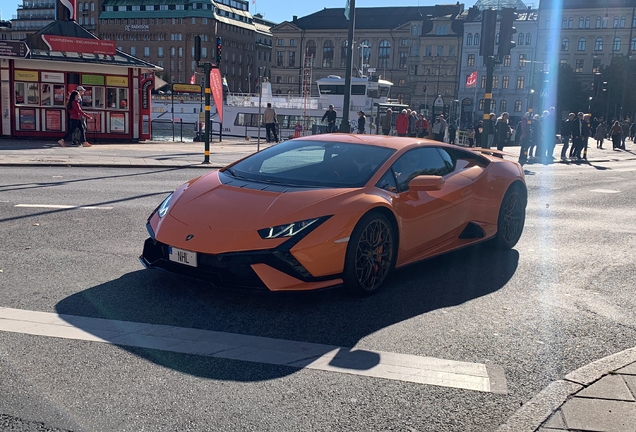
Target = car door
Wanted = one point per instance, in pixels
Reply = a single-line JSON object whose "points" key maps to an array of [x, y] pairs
{"points": [[428, 218]]}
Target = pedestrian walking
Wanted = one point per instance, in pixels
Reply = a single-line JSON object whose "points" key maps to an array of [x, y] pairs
{"points": [[624, 133], [270, 120], [412, 124], [76, 115], [439, 128], [599, 135], [386, 122], [479, 130], [502, 131], [362, 120], [615, 134], [566, 134], [330, 115], [470, 135], [402, 124], [452, 132], [523, 137], [491, 129], [580, 133]]}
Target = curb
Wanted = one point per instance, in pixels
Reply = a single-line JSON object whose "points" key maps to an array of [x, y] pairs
{"points": [[536, 411]]}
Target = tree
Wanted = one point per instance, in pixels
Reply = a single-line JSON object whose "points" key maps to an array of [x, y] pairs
{"points": [[571, 94], [620, 93]]}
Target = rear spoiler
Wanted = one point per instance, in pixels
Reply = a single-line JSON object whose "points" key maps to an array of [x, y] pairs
{"points": [[492, 152]]}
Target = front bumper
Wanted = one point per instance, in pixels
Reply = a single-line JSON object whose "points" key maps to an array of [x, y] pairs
{"points": [[240, 270]]}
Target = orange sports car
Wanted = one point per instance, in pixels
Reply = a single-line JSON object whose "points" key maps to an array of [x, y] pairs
{"points": [[331, 210]]}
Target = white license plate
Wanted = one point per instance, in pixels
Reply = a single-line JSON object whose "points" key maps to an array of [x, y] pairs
{"points": [[182, 256]]}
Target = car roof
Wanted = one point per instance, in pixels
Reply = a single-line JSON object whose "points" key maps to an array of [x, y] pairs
{"points": [[393, 142]]}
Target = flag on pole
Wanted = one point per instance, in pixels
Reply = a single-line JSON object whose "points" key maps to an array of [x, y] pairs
{"points": [[346, 11], [471, 80]]}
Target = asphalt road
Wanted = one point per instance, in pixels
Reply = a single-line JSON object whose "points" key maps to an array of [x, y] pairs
{"points": [[561, 299]]}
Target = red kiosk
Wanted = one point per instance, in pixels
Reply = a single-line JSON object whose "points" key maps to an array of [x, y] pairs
{"points": [[37, 75]]}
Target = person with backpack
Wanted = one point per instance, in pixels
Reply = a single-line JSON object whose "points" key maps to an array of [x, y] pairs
{"points": [[76, 114]]}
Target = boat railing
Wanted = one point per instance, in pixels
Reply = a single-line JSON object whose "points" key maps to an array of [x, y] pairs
{"points": [[277, 101]]}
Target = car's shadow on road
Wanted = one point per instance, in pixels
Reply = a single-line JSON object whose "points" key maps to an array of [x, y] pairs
{"points": [[328, 317]]}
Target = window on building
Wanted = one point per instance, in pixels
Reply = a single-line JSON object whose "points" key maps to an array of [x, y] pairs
{"points": [[469, 39], [598, 44], [311, 51], [505, 82], [503, 105], [564, 23], [133, 51], [440, 51], [497, 39], [146, 51], [596, 65], [477, 39], [343, 54], [448, 90], [429, 51], [292, 59], [495, 82], [365, 51], [520, 39], [280, 58], [482, 103], [180, 51], [506, 61], [615, 22], [483, 81], [598, 22], [579, 66], [617, 44], [522, 60], [384, 54], [528, 38], [582, 45], [327, 54], [633, 45], [292, 42], [404, 42], [403, 59], [471, 60], [581, 21], [570, 22], [518, 106], [290, 80], [521, 81], [280, 42], [565, 44], [622, 24]]}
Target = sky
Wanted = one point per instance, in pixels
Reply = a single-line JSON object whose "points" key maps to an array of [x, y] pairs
{"points": [[284, 10], [279, 10]]}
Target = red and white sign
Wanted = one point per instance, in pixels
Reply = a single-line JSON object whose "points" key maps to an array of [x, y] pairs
{"points": [[79, 45], [471, 80], [216, 87]]}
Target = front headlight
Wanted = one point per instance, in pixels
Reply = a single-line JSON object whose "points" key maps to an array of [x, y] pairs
{"points": [[286, 230], [165, 205]]}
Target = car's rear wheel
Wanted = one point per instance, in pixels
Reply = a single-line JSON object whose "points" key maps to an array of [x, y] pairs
{"points": [[512, 217], [371, 254]]}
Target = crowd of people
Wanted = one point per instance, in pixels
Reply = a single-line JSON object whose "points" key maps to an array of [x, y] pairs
{"points": [[536, 134]]}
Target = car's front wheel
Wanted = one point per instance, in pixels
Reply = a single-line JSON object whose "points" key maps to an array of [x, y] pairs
{"points": [[512, 217], [371, 254]]}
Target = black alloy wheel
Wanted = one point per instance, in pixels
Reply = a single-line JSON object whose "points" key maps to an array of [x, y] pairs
{"points": [[512, 217], [371, 254]]}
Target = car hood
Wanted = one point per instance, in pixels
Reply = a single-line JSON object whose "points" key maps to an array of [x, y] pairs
{"points": [[248, 206]]}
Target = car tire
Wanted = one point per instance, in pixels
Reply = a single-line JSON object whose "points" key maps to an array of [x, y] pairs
{"points": [[371, 254], [511, 219]]}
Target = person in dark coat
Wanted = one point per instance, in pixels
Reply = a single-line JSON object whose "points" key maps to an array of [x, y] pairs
{"points": [[502, 131]]}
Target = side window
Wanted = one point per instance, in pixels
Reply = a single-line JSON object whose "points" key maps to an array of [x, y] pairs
{"points": [[449, 161], [421, 161], [387, 182]]}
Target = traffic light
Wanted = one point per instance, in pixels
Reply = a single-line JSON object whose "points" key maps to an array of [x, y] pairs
{"points": [[197, 48], [488, 31], [506, 32], [218, 51]]}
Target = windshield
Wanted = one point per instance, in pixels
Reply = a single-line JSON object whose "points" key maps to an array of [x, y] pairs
{"points": [[313, 164]]}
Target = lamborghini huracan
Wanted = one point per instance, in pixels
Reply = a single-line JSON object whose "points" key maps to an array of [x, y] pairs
{"points": [[335, 210]]}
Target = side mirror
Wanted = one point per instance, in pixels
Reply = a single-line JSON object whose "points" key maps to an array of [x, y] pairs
{"points": [[426, 183]]}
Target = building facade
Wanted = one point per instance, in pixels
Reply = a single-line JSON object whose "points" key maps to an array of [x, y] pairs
{"points": [[588, 36], [389, 43], [513, 79]]}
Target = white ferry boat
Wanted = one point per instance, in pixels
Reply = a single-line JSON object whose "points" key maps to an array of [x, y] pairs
{"points": [[241, 111]]}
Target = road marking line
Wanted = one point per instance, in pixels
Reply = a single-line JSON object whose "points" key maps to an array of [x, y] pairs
{"points": [[609, 191], [56, 206], [302, 355]]}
